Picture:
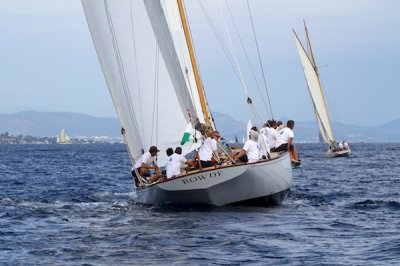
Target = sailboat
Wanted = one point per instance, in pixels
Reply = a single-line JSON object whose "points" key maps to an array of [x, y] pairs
{"points": [[316, 92], [63, 138], [147, 57]]}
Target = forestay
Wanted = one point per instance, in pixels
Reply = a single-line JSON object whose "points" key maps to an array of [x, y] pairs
{"points": [[149, 87]]}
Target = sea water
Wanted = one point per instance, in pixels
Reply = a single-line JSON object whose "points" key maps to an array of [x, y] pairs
{"points": [[75, 204]]}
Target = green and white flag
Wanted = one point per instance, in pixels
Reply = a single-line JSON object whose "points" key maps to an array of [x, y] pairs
{"points": [[188, 132]]}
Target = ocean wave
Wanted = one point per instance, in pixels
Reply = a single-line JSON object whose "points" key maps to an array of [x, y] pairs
{"points": [[312, 199], [340, 211], [387, 252], [374, 204]]}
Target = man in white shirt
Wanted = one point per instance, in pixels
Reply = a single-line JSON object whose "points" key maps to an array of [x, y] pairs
{"points": [[176, 162], [263, 144], [272, 134], [250, 149], [345, 145], [208, 148], [340, 146], [279, 126], [145, 163], [265, 128], [285, 142]]}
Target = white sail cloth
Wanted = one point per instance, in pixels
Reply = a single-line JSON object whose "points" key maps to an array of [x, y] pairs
{"points": [[315, 89], [144, 77]]}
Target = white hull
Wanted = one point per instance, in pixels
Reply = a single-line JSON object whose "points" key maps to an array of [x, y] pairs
{"points": [[261, 183], [340, 153]]}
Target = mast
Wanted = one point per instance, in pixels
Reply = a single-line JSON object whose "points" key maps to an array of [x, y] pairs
{"points": [[193, 62], [310, 48], [312, 59]]}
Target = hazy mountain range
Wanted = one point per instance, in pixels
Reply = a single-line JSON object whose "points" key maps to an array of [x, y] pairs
{"points": [[46, 124]]}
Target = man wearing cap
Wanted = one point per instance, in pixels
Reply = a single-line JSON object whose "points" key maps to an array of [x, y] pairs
{"points": [[147, 162]]}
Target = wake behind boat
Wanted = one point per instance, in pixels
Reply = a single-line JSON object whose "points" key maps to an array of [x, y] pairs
{"points": [[317, 96], [147, 57]]}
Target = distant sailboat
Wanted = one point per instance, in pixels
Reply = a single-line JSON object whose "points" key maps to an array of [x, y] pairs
{"points": [[315, 88], [63, 138]]}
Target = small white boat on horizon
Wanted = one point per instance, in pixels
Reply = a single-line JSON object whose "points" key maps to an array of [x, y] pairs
{"points": [[63, 138]]}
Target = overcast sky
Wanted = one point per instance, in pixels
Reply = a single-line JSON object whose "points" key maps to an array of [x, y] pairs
{"points": [[48, 61]]}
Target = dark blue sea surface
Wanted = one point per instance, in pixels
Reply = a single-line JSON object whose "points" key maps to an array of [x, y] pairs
{"points": [[75, 204]]}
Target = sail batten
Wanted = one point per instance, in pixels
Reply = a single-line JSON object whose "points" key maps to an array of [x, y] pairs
{"points": [[315, 89]]}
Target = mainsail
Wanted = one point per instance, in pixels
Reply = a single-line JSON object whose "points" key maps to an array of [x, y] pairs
{"points": [[315, 89], [150, 77]]}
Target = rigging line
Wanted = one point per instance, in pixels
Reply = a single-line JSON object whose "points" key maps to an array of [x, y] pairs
{"points": [[234, 56], [243, 81], [327, 85], [136, 67], [331, 141], [113, 98], [198, 69], [210, 112], [224, 150], [197, 62], [154, 121], [230, 59], [121, 70], [158, 95], [225, 49], [189, 96], [223, 45], [175, 21], [259, 58], [246, 55]]}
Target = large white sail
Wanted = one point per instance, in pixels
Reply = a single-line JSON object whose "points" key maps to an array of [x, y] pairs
{"points": [[174, 21], [144, 78], [315, 89]]}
